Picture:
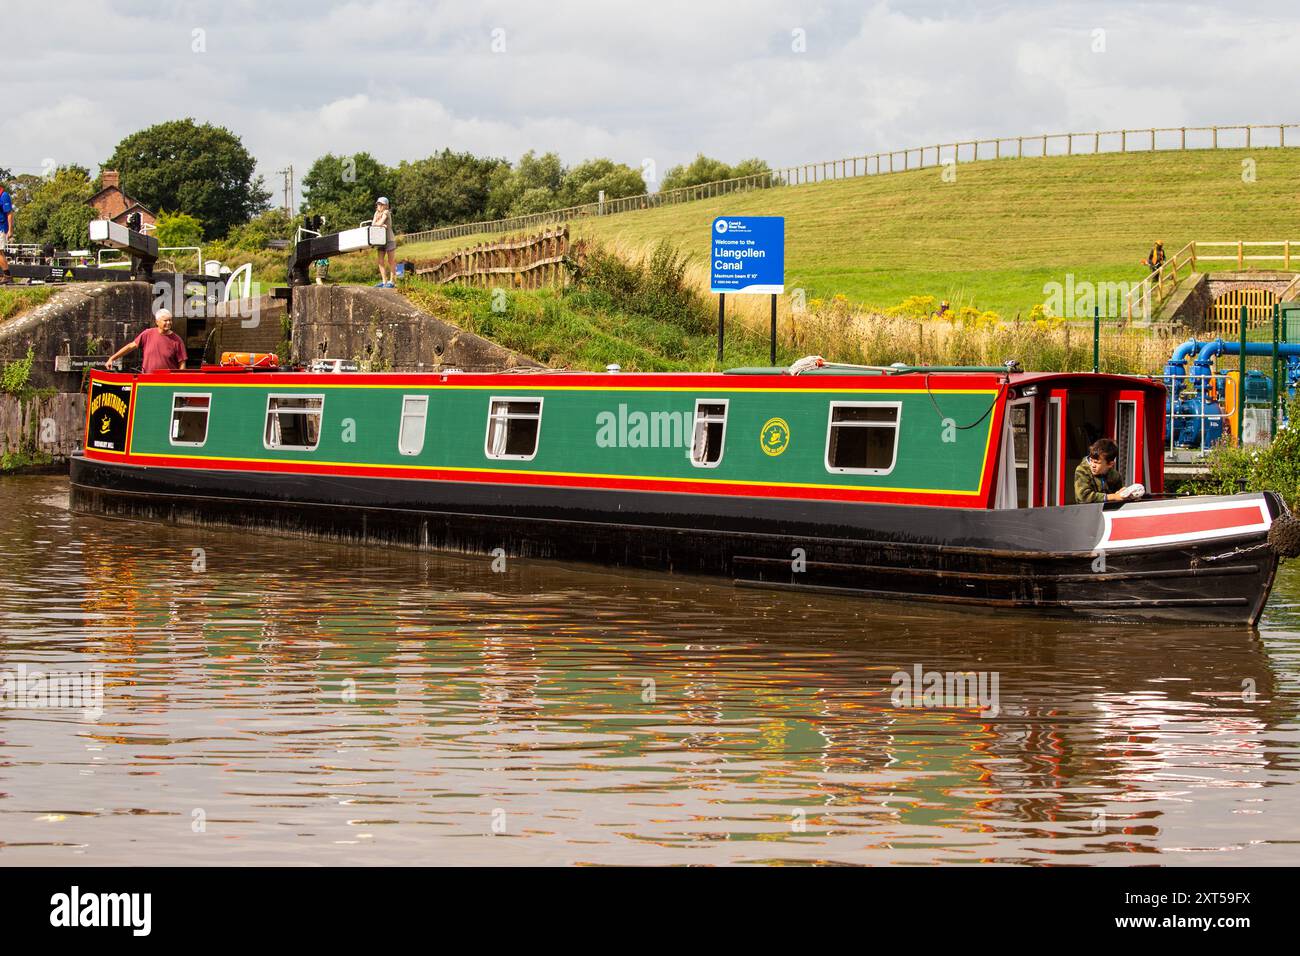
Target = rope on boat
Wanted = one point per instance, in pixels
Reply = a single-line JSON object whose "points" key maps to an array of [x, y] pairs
{"points": [[943, 418]]}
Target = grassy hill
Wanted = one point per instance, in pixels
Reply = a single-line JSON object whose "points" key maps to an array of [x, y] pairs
{"points": [[994, 236]]}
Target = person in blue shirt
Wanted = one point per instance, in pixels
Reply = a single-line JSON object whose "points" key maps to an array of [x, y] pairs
{"points": [[6, 234]]}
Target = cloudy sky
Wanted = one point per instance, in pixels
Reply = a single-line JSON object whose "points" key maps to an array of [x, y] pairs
{"points": [[787, 81]]}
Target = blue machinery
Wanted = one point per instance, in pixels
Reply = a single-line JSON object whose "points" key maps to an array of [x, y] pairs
{"points": [[1194, 413]]}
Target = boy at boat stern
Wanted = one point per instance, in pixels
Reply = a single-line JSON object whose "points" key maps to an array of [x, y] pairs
{"points": [[1097, 479]]}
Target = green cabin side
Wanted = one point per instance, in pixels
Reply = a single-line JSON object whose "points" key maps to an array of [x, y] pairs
{"points": [[776, 436]]}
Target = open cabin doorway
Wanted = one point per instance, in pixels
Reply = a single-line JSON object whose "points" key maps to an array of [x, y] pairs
{"points": [[1047, 433], [1017, 484]]}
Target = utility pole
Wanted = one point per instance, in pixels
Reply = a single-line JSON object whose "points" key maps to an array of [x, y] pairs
{"points": [[287, 173]]}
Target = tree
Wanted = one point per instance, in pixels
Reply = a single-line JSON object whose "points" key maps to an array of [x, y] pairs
{"points": [[69, 226], [750, 167], [585, 182], [444, 189], [343, 189], [534, 177], [257, 232], [199, 169], [22, 186], [54, 207], [176, 229], [704, 169]]}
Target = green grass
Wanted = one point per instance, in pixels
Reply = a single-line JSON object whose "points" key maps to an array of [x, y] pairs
{"points": [[573, 330], [17, 299], [993, 237]]}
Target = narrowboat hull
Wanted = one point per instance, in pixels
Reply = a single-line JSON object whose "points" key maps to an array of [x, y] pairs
{"points": [[1068, 560]]}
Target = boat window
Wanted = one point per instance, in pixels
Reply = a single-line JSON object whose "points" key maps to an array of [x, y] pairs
{"points": [[710, 429], [863, 437], [410, 435], [189, 419], [513, 428], [293, 421], [1126, 439]]}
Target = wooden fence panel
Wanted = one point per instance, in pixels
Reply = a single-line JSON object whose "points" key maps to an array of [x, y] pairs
{"points": [[522, 262]]}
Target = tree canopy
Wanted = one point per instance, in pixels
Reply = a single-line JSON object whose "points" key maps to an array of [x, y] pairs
{"points": [[704, 169], [444, 189], [585, 182], [55, 209], [343, 189], [199, 169]]}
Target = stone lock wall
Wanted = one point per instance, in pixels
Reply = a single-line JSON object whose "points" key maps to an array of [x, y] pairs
{"points": [[382, 330]]}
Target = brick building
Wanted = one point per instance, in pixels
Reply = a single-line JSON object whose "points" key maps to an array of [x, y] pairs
{"points": [[111, 203]]}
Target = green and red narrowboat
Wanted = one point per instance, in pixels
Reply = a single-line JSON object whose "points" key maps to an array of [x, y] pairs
{"points": [[950, 485]]}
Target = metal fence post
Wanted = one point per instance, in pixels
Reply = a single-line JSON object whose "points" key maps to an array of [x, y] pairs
{"points": [[1241, 380], [1277, 309], [1096, 339]]}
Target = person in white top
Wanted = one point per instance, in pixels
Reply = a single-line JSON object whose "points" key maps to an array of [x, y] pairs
{"points": [[388, 254]]}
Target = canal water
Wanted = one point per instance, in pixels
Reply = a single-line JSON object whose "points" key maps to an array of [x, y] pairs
{"points": [[273, 700]]}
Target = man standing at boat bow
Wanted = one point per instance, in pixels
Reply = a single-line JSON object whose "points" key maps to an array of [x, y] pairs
{"points": [[1097, 479], [163, 348]]}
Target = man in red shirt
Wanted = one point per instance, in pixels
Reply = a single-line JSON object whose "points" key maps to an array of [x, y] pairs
{"points": [[163, 348]]}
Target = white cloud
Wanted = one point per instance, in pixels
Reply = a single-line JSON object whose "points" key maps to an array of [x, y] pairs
{"points": [[402, 78]]}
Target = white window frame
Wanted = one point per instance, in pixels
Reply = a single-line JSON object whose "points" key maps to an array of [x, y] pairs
{"points": [[722, 442], [1129, 475], [831, 424], [294, 411], [171, 422], [1031, 479], [423, 415], [487, 433], [1052, 482]]}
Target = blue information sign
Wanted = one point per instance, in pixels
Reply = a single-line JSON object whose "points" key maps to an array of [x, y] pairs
{"points": [[748, 254]]}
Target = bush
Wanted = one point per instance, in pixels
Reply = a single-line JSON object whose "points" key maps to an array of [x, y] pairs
{"points": [[1271, 467], [655, 287], [15, 375], [178, 229]]}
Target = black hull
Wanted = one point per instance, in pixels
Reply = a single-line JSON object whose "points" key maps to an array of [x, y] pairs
{"points": [[1039, 559]]}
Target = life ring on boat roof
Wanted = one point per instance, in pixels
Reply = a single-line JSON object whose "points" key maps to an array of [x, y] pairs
{"points": [[249, 360]]}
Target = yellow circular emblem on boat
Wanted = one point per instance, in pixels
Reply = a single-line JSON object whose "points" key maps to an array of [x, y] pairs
{"points": [[775, 437]]}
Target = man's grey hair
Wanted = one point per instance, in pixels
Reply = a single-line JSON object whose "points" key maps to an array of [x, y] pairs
{"points": [[163, 314]]}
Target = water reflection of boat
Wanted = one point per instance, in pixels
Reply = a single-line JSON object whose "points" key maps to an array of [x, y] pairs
{"points": [[937, 485]]}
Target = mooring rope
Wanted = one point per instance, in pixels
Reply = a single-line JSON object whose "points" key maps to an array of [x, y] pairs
{"points": [[944, 418]]}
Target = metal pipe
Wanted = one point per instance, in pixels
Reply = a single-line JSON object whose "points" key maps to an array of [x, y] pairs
{"points": [[1219, 346]]}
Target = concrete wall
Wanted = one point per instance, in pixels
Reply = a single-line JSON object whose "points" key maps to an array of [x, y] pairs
{"points": [[381, 328], [112, 312]]}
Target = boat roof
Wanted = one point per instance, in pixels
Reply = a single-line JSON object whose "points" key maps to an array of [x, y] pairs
{"points": [[830, 377]]}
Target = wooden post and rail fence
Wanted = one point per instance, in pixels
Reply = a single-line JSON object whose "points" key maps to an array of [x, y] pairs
{"points": [[1250, 136], [524, 262], [1142, 301]]}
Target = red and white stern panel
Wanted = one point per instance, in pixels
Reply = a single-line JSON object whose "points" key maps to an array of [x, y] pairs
{"points": [[1180, 521]]}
